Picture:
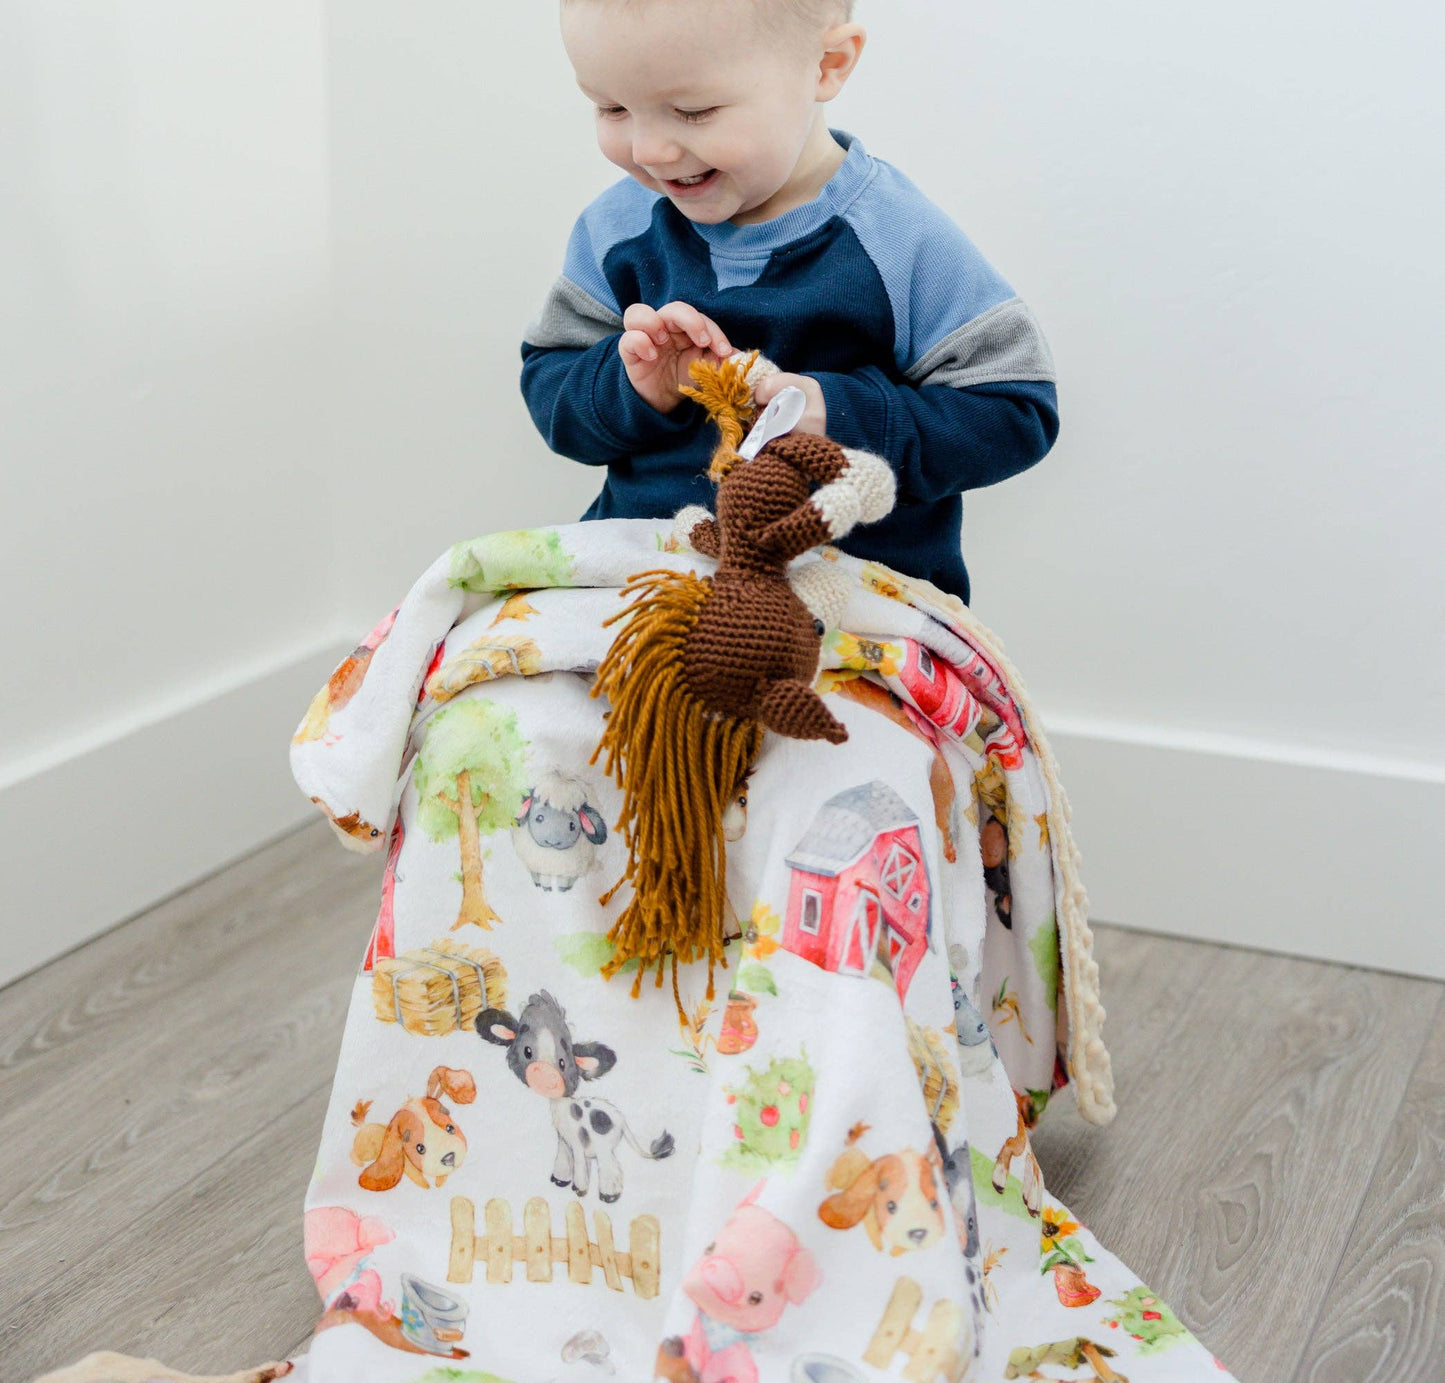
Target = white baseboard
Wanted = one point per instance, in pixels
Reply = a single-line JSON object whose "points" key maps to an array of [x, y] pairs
{"points": [[110, 825], [1305, 852]]}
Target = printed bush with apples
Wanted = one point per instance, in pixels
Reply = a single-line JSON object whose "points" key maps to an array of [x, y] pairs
{"points": [[771, 1111], [1142, 1315]]}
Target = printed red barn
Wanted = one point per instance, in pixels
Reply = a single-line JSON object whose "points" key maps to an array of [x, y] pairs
{"points": [[860, 887]]}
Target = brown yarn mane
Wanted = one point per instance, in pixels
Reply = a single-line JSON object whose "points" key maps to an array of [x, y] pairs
{"points": [[679, 766]]}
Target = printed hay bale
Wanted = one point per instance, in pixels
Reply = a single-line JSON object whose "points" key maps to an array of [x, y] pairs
{"points": [[490, 657], [934, 1063], [439, 988]]}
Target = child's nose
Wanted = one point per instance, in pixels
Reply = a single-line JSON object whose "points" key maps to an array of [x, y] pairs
{"points": [[654, 148]]}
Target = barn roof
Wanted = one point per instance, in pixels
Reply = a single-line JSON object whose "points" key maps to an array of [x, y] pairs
{"points": [[846, 825]]}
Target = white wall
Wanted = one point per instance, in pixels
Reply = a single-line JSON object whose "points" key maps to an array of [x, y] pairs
{"points": [[1223, 218], [164, 247], [1232, 610], [461, 152], [1223, 585]]}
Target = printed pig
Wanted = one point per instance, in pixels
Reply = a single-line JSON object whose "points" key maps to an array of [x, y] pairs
{"points": [[745, 1280]]}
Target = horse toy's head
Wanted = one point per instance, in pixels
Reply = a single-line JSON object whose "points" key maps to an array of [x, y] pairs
{"points": [[753, 651]]}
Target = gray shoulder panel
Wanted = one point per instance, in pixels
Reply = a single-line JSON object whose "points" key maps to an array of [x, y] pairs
{"points": [[572, 317], [1000, 344]]}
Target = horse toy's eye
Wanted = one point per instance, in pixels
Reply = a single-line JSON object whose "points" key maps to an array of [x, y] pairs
{"points": [[818, 628]]}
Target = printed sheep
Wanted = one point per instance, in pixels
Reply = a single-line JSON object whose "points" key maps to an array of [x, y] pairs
{"points": [[558, 831]]}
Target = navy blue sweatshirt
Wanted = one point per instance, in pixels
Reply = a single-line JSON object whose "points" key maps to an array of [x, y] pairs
{"points": [[925, 355]]}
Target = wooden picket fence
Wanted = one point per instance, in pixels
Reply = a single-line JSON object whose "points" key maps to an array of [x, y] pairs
{"points": [[500, 1249], [933, 1351]]}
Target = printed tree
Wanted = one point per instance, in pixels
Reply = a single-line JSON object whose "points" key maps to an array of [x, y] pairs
{"points": [[458, 1376], [523, 559], [1044, 947], [469, 783]]}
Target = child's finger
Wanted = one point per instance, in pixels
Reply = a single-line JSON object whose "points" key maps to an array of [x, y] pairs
{"points": [[719, 339], [637, 347], [687, 319], [769, 386], [641, 317]]}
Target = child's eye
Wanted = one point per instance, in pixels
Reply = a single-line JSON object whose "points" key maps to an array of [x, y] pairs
{"points": [[694, 116], [611, 112]]}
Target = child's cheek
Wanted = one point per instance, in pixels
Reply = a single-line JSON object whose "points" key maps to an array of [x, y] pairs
{"points": [[615, 147]]}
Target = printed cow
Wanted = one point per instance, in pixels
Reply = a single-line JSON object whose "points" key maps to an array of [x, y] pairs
{"points": [[543, 1056]]}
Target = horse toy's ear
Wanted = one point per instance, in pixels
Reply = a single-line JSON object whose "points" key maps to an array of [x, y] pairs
{"points": [[705, 664]]}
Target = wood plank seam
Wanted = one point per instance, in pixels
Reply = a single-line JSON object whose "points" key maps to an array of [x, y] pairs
{"points": [[167, 1192], [1328, 1295]]}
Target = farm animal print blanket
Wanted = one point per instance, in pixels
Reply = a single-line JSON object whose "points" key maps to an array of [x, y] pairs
{"points": [[819, 1173]]}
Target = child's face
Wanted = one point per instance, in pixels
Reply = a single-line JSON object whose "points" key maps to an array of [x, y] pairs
{"points": [[692, 89]]}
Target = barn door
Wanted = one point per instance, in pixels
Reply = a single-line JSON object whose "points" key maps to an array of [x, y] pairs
{"points": [[862, 933], [897, 945]]}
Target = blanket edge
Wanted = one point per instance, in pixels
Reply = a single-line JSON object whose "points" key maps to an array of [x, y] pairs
{"points": [[1087, 1057]]}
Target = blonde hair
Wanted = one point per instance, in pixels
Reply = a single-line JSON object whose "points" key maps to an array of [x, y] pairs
{"points": [[819, 12], [785, 14]]}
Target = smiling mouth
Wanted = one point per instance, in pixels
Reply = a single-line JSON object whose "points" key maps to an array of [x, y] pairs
{"points": [[692, 185]]}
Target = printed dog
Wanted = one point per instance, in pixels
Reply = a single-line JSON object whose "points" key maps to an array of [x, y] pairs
{"points": [[421, 1142], [897, 1198]]}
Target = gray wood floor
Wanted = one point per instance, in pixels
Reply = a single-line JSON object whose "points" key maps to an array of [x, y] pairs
{"points": [[1275, 1171]]}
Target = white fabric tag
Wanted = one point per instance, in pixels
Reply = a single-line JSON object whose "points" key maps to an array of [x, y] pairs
{"points": [[778, 418]]}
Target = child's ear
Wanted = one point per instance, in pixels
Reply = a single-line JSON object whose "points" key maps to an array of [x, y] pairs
{"points": [[842, 47]]}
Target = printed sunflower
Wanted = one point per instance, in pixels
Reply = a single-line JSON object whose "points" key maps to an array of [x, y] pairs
{"points": [[1063, 1255], [1054, 1227], [867, 655], [1058, 1244], [761, 936], [830, 679]]}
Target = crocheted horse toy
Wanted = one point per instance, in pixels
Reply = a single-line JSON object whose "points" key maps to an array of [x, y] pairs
{"points": [[705, 664]]}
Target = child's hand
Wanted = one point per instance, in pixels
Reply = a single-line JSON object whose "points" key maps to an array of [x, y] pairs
{"points": [[815, 416], [660, 343]]}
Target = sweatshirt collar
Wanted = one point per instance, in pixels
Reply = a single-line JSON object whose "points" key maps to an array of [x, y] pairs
{"points": [[764, 236]]}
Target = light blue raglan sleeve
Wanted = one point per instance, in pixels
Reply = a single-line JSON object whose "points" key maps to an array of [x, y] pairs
{"points": [[573, 380], [976, 401]]}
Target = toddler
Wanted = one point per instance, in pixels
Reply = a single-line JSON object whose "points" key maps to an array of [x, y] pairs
{"points": [[745, 221]]}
